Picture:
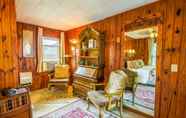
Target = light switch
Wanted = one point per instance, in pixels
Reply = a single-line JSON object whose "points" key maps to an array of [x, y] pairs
{"points": [[174, 67]]}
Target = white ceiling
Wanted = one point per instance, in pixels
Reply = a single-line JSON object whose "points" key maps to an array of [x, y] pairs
{"points": [[69, 14]]}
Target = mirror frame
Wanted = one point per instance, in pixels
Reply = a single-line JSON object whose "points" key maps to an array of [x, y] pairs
{"points": [[139, 23]]}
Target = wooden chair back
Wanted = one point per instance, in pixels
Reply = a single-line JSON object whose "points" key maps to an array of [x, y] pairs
{"points": [[61, 71], [116, 83]]}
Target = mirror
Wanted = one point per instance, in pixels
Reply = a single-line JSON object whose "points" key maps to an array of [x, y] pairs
{"points": [[140, 61], [141, 44]]}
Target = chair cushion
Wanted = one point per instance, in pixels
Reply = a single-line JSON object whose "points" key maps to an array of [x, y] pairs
{"points": [[61, 71], [58, 80], [99, 98]]}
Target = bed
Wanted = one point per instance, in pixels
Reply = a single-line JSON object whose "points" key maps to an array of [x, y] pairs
{"points": [[144, 94], [146, 74]]}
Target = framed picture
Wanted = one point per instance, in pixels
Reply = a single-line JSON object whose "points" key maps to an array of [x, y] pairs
{"points": [[28, 43]]}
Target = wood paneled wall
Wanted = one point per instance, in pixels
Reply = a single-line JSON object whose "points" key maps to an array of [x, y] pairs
{"points": [[27, 64], [30, 64], [40, 80], [140, 46], [8, 40], [170, 86]]}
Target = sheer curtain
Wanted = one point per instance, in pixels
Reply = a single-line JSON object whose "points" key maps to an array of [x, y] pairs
{"points": [[40, 50], [152, 52], [150, 43], [62, 48]]}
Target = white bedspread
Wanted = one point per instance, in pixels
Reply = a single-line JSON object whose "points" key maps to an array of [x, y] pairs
{"points": [[144, 74]]}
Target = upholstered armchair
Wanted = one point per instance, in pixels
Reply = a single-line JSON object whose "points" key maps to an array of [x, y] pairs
{"points": [[60, 77], [112, 96], [131, 82]]}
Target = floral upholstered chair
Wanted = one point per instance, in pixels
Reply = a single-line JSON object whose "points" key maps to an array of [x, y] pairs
{"points": [[111, 96]]}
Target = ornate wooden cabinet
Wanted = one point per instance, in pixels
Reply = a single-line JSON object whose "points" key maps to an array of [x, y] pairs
{"points": [[90, 73]]}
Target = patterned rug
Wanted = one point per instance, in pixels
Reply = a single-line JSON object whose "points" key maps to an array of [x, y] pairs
{"points": [[78, 109], [77, 113], [144, 96], [57, 104], [74, 113]]}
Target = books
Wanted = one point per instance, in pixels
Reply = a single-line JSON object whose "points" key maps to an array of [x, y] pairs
{"points": [[92, 43]]}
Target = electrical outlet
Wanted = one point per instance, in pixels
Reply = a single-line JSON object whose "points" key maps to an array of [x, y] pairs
{"points": [[174, 67]]}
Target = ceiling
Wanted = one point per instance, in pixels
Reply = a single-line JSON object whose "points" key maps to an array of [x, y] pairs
{"points": [[69, 14]]}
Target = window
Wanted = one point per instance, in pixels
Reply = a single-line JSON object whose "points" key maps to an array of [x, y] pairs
{"points": [[50, 53]]}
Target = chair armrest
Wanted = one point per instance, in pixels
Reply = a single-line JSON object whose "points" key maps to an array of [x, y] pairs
{"points": [[149, 85]]}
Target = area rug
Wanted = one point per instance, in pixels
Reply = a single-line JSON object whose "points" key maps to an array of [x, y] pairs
{"points": [[74, 113], [78, 109], [77, 113], [144, 96]]}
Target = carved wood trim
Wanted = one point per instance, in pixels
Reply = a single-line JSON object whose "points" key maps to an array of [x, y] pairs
{"points": [[142, 22]]}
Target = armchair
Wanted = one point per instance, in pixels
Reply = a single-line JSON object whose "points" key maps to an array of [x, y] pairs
{"points": [[111, 96], [131, 82]]}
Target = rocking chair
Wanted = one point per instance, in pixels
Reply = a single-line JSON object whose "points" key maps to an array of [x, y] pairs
{"points": [[111, 96]]}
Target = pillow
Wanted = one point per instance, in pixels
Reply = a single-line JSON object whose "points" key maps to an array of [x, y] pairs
{"points": [[135, 64], [130, 64], [140, 63]]}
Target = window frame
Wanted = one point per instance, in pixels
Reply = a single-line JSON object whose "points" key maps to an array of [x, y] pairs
{"points": [[44, 60]]}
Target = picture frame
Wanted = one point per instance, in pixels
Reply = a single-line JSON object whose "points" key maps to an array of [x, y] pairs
{"points": [[28, 37]]}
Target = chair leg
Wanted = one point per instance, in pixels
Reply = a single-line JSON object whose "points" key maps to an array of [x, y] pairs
{"points": [[49, 86], [101, 113], [121, 107], [133, 95], [88, 104]]}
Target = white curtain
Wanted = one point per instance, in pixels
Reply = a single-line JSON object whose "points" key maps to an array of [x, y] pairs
{"points": [[152, 52], [62, 48], [40, 50], [150, 41]]}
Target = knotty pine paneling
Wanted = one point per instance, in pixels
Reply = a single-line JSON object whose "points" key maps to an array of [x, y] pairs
{"points": [[30, 64], [8, 40], [51, 32], [172, 83], [40, 80], [27, 64], [140, 46], [170, 86]]}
